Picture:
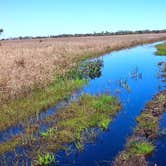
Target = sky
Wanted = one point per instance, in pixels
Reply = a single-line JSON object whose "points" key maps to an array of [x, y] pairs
{"points": [[53, 17]]}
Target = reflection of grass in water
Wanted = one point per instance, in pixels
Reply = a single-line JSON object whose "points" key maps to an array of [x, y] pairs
{"points": [[123, 83], [161, 49]]}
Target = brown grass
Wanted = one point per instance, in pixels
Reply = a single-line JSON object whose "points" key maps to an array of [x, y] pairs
{"points": [[25, 64]]}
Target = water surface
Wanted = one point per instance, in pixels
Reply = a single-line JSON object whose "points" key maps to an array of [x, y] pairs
{"points": [[133, 76], [138, 69]]}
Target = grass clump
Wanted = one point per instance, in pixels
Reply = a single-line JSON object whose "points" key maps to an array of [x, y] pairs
{"points": [[21, 109], [76, 119], [161, 49], [141, 148], [50, 132], [90, 111], [147, 122], [140, 143], [45, 159], [71, 123]]}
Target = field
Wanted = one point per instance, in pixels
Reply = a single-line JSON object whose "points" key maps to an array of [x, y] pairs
{"points": [[52, 99], [27, 64]]}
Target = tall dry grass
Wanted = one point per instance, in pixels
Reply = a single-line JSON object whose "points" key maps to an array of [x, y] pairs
{"points": [[25, 64]]}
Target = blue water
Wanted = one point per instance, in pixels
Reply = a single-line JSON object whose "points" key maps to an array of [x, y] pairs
{"points": [[138, 68], [119, 65], [158, 157]]}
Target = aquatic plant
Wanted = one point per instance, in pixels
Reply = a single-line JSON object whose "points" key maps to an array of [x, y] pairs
{"points": [[123, 83], [141, 147], [147, 123], [45, 159], [71, 122], [161, 49], [86, 70], [91, 69], [139, 144], [79, 146], [50, 132], [135, 74], [37, 102]]}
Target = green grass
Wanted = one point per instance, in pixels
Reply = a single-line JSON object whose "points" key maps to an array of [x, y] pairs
{"points": [[88, 112], [140, 144], [21, 109], [45, 159], [147, 122], [141, 148], [39, 100], [161, 49]]}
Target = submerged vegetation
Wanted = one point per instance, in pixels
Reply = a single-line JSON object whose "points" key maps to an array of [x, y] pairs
{"points": [[161, 49], [140, 143], [69, 125]]}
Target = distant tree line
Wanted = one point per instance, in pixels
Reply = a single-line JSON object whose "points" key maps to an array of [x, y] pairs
{"points": [[103, 33]]}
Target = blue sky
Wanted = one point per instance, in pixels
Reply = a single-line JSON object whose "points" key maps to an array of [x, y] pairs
{"points": [[51, 17]]}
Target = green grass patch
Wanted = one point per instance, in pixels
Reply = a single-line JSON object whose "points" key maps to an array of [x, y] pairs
{"points": [[141, 148], [21, 109], [88, 112], [161, 49], [147, 121], [39, 100], [45, 159]]}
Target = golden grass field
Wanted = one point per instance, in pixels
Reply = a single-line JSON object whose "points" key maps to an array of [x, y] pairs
{"points": [[25, 64]]}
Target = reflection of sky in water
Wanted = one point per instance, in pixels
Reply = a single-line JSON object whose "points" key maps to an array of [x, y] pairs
{"points": [[119, 67]]}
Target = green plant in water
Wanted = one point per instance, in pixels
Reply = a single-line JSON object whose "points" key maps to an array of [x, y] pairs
{"points": [[91, 69], [147, 121], [79, 146], [46, 159], [161, 49], [141, 148], [104, 123], [86, 70], [50, 132]]}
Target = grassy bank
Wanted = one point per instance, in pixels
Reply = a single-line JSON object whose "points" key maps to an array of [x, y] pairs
{"points": [[19, 110], [21, 94], [140, 144], [25, 64], [71, 123], [161, 49]]}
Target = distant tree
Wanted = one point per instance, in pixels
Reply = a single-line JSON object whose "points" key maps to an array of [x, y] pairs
{"points": [[1, 31]]}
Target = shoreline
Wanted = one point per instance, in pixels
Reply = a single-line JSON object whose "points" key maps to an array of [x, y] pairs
{"points": [[27, 102]]}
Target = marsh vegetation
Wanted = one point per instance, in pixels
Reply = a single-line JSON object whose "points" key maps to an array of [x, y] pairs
{"points": [[27, 134], [161, 49]]}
